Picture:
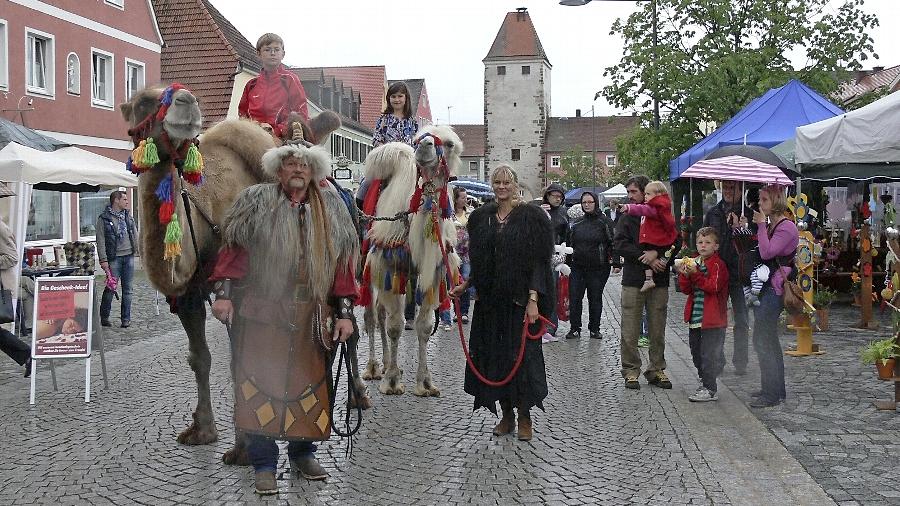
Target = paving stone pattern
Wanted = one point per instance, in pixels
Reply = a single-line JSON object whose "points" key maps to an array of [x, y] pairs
{"points": [[828, 422], [596, 444]]}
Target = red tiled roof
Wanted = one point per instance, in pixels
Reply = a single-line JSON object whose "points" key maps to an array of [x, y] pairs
{"points": [[868, 80], [472, 137], [369, 81], [516, 38], [566, 134], [202, 51]]}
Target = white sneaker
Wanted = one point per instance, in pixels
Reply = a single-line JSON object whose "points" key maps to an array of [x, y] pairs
{"points": [[447, 327], [703, 395]]}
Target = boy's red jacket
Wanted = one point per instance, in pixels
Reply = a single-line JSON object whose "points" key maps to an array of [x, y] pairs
{"points": [[271, 96], [714, 283]]}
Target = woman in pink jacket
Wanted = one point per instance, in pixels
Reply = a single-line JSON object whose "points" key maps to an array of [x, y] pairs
{"points": [[777, 245]]}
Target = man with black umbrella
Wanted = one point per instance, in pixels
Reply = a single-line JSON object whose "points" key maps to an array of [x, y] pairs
{"points": [[725, 217]]}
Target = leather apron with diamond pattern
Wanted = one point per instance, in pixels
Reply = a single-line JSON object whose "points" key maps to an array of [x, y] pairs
{"points": [[281, 373]]}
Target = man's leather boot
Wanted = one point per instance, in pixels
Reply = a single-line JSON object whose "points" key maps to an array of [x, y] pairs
{"points": [[507, 422], [524, 431]]}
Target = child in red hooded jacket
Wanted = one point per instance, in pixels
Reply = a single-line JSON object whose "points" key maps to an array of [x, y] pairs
{"points": [[657, 224]]}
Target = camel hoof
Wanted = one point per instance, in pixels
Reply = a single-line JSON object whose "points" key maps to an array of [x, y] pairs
{"points": [[196, 435], [389, 390], [237, 456], [362, 402], [373, 371], [423, 391]]}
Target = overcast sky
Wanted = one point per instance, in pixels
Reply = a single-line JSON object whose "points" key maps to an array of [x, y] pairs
{"points": [[444, 43]]}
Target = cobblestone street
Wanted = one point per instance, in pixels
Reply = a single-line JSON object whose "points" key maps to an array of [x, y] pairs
{"points": [[597, 443]]}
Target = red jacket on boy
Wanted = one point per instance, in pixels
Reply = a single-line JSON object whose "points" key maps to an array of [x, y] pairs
{"points": [[271, 96], [714, 283]]}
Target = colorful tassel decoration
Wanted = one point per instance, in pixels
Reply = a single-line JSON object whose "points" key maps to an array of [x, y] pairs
{"points": [[173, 239], [166, 210], [137, 156], [193, 166], [164, 191], [151, 155]]}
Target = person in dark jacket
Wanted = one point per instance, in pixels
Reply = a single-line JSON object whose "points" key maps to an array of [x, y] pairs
{"points": [[627, 245], [117, 244], [591, 239], [554, 203], [725, 217]]}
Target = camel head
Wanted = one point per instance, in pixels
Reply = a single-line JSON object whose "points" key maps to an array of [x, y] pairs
{"points": [[171, 112], [437, 147]]}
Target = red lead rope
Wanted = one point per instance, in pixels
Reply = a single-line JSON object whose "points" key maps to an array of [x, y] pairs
{"points": [[462, 339]]}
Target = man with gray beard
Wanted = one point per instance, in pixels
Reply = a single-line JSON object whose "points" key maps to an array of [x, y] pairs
{"points": [[284, 282]]}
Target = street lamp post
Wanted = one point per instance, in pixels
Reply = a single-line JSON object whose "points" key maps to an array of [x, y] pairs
{"points": [[579, 3], [593, 149]]}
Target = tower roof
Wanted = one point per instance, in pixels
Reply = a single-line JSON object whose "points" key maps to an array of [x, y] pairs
{"points": [[517, 38]]}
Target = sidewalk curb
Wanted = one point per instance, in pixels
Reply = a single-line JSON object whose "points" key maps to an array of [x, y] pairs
{"points": [[752, 465]]}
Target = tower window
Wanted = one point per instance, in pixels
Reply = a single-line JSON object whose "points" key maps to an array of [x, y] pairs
{"points": [[526, 70], [515, 155], [501, 70]]}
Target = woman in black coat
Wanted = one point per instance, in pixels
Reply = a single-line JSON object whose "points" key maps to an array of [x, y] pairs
{"points": [[510, 245], [590, 238]]}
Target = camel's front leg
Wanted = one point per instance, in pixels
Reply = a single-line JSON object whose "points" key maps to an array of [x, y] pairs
{"points": [[192, 314], [424, 325], [392, 382], [373, 368]]}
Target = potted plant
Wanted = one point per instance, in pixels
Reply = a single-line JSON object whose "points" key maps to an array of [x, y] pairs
{"points": [[882, 353], [856, 288], [822, 299]]}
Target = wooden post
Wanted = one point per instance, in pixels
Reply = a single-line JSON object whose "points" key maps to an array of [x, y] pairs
{"points": [[865, 272], [805, 264]]}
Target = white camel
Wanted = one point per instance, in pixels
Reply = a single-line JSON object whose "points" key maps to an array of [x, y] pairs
{"points": [[409, 180]]}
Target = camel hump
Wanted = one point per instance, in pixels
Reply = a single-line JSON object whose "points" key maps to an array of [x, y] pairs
{"points": [[242, 136], [386, 159]]}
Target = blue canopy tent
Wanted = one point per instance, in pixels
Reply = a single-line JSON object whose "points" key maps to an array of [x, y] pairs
{"points": [[766, 121], [475, 188], [573, 196]]}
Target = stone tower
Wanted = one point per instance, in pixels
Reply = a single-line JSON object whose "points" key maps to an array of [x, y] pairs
{"points": [[517, 101]]}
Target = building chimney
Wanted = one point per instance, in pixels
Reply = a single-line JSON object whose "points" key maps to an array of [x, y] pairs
{"points": [[520, 13], [877, 69], [577, 113]]}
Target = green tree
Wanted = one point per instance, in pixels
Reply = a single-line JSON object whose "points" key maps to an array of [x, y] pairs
{"points": [[576, 169], [715, 56]]}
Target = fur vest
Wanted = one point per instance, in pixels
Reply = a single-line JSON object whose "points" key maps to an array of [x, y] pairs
{"points": [[263, 222], [506, 261]]}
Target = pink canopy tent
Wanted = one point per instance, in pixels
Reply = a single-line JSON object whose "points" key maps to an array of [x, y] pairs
{"points": [[737, 168]]}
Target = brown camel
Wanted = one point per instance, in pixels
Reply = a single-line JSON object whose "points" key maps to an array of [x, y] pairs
{"points": [[231, 152]]}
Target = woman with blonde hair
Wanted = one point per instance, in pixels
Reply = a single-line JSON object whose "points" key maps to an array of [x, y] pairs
{"points": [[777, 245], [510, 245]]}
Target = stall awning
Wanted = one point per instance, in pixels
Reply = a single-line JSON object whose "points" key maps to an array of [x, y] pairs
{"points": [[64, 168], [766, 121]]}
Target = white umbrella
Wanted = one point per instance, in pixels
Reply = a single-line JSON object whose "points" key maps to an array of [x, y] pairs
{"points": [[69, 165], [617, 191]]}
